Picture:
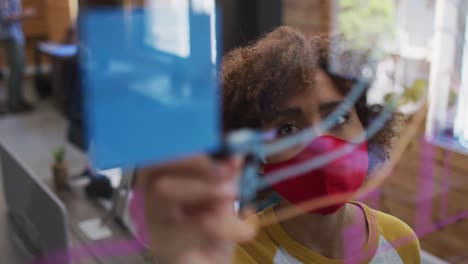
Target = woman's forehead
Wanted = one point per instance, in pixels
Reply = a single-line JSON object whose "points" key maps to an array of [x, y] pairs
{"points": [[322, 90]]}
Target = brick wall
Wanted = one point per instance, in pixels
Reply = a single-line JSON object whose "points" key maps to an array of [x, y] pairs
{"points": [[310, 16]]}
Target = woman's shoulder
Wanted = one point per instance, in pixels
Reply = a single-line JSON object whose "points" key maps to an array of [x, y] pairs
{"points": [[398, 233]]}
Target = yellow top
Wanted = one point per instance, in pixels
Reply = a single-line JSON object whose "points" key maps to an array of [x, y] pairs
{"points": [[390, 241]]}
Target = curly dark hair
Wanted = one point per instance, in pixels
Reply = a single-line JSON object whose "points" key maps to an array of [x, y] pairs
{"points": [[258, 77]]}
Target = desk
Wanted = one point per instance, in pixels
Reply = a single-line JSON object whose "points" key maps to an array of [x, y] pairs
{"points": [[10, 252], [79, 208]]}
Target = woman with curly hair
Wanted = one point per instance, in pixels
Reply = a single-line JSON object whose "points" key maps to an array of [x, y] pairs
{"points": [[281, 83]]}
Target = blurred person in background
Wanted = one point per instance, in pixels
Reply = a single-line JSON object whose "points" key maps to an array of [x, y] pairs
{"points": [[13, 42]]}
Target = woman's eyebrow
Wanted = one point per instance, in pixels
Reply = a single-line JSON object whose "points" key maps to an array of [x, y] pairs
{"points": [[329, 106], [292, 111], [280, 114]]}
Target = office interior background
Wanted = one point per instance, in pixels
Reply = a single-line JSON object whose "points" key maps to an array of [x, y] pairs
{"points": [[428, 184]]}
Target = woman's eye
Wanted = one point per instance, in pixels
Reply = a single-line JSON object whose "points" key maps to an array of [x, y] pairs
{"points": [[287, 130]]}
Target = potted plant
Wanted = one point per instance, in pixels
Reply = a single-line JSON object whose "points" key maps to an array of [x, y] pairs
{"points": [[59, 169]]}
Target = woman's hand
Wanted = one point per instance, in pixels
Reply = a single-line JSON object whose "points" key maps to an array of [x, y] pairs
{"points": [[189, 210], [29, 12]]}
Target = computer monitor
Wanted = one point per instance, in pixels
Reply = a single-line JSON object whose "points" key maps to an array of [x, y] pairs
{"points": [[37, 215]]}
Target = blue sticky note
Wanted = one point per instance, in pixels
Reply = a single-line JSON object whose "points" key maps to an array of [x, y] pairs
{"points": [[151, 90]]}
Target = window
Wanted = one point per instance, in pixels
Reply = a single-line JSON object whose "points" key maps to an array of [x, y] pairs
{"points": [[447, 122]]}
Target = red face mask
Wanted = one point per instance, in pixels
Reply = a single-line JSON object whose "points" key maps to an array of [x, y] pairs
{"points": [[343, 175]]}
